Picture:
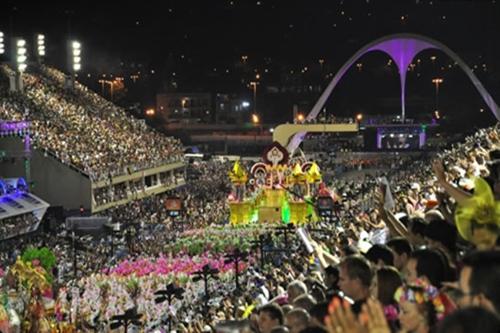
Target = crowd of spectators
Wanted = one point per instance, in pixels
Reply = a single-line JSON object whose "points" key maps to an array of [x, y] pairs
{"points": [[82, 129], [412, 249], [16, 225]]}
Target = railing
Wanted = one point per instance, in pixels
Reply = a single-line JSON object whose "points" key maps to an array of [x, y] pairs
{"points": [[52, 154]]}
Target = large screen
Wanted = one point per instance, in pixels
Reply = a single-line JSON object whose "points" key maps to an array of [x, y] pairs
{"points": [[173, 206], [400, 141]]}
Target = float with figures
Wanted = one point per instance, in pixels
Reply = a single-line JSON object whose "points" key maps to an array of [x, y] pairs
{"points": [[279, 189]]}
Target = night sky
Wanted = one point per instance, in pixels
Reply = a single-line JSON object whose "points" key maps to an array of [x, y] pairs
{"points": [[200, 44]]}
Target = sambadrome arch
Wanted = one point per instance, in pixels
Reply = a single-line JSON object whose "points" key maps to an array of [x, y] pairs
{"points": [[402, 49]]}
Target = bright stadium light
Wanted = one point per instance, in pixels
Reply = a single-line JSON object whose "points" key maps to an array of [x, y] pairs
{"points": [[40, 43], [76, 51], [21, 53], [2, 43]]}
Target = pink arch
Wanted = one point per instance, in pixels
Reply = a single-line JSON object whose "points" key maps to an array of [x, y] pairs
{"points": [[402, 48]]}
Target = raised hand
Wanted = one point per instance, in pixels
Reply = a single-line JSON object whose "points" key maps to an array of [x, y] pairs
{"points": [[341, 319], [373, 318], [438, 168]]}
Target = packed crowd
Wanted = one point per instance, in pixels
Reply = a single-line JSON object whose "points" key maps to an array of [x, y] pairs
{"points": [[327, 119], [13, 226], [414, 249], [82, 129]]}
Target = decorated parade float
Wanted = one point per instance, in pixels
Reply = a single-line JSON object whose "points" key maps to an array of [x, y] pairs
{"points": [[279, 189], [27, 301]]}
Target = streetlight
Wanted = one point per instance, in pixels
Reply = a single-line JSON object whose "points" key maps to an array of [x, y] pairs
{"points": [[437, 81], [359, 117], [168, 294], [255, 118], [300, 118], [150, 112], [256, 121], [205, 274], [254, 84], [111, 84]]}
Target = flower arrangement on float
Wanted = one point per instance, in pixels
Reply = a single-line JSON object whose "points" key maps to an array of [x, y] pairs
{"points": [[215, 240], [166, 265], [148, 275]]}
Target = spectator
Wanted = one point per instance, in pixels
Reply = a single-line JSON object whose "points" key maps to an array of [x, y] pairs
{"points": [[270, 316], [296, 289], [480, 280], [427, 265], [297, 320], [355, 278], [402, 251], [470, 320]]}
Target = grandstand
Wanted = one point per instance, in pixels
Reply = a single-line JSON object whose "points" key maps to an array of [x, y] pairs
{"points": [[83, 150]]}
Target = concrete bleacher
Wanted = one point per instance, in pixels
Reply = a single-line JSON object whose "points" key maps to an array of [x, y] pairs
{"points": [[69, 174]]}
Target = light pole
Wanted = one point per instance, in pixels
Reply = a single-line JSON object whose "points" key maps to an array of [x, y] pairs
{"points": [[437, 81], [256, 121], [359, 117], [2, 44], [168, 294], [205, 274], [102, 81], [254, 84], [21, 60], [76, 62], [111, 83], [40, 47]]}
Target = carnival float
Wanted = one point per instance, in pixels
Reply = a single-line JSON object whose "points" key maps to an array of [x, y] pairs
{"points": [[279, 189]]}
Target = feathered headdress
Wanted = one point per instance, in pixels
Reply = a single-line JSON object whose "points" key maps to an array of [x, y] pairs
{"points": [[481, 209], [421, 292]]}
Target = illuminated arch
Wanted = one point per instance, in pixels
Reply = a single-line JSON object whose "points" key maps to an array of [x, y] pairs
{"points": [[401, 48]]}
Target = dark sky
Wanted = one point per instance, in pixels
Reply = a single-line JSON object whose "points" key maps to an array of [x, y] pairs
{"points": [[192, 38], [221, 30]]}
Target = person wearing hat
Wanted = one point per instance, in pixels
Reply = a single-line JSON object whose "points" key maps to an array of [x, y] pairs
{"points": [[478, 218]]}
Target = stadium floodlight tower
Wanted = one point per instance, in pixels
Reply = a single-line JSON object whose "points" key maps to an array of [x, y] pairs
{"points": [[40, 48], [2, 44], [75, 62], [20, 63]]}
